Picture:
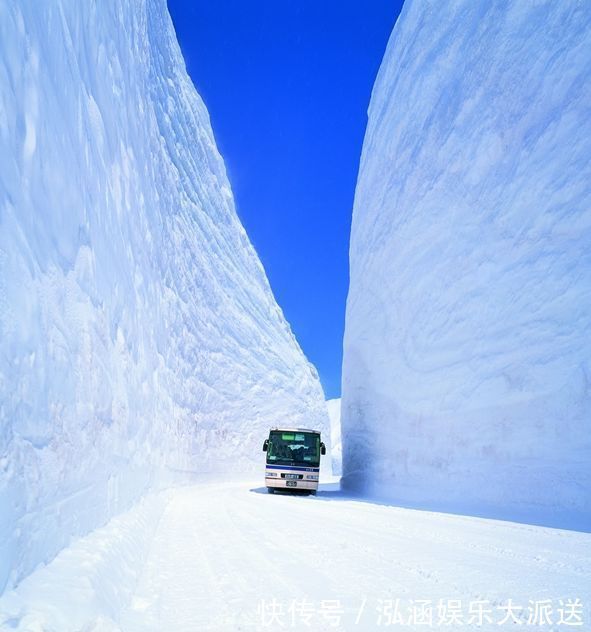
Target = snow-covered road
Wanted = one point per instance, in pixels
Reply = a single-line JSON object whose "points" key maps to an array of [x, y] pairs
{"points": [[230, 557]]}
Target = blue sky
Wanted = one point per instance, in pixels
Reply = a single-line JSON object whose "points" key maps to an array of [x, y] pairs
{"points": [[287, 84]]}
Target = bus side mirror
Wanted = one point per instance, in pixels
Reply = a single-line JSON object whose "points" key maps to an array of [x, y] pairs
{"points": [[322, 448], [265, 445]]}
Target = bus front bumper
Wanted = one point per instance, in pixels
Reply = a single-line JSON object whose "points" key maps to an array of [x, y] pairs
{"points": [[284, 483]]}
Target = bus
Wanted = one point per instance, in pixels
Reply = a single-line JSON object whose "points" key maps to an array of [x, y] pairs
{"points": [[293, 459]]}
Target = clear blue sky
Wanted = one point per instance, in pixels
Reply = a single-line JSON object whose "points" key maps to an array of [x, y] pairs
{"points": [[287, 84]]}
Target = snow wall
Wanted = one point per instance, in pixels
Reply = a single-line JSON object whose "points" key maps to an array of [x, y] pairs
{"points": [[467, 352], [138, 333], [334, 415]]}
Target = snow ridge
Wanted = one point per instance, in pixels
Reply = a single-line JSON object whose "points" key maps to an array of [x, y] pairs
{"points": [[466, 378], [334, 414], [138, 333]]}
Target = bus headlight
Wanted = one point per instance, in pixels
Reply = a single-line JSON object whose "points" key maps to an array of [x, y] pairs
{"points": [[271, 474], [312, 477]]}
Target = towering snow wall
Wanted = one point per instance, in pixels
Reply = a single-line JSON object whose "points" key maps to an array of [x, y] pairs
{"points": [[138, 333], [467, 353], [334, 415]]}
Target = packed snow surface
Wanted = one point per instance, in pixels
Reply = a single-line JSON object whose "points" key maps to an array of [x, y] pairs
{"points": [[138, 333], [334, 414], [231, 557], [467, 351]]}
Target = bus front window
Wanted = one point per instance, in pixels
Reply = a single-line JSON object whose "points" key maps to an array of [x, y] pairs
{"points": [[287, 448]]}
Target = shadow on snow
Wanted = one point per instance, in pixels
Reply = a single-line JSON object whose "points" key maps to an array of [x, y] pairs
{"points": [[556, 520]]}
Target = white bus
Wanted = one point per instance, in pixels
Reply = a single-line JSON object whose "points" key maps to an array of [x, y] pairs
{"points": [[293, 459]]}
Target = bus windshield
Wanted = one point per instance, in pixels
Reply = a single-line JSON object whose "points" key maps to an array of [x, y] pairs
{"points": [[299, 448]]}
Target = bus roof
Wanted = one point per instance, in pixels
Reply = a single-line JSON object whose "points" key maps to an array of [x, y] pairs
{"points": [[284, 429]]}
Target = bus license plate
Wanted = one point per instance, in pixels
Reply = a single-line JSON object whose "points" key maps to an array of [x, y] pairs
{"points": [[291, 483]]}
